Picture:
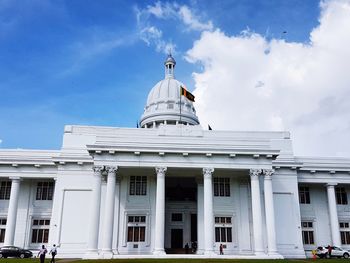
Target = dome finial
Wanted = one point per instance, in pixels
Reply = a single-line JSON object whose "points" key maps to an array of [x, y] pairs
{"points": [[169, 66]]}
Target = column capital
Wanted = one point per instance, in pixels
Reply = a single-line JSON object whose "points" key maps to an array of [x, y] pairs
{"points": [[15, 178], [254, 173], [161, 171], [111, 169], [268, 173], [207, 172], [331, 184], [97, 169]]}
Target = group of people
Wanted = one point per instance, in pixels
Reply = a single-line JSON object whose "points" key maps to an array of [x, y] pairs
{"points": [[43, 251], [193, 247]]}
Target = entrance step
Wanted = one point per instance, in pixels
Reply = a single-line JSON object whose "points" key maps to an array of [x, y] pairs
{"points": [[178, 251]]}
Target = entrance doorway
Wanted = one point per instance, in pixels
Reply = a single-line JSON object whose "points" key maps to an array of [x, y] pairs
{"points": [[176, 238], [180, 214]]}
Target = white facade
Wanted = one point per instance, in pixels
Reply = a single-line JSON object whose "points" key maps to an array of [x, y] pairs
{"points": [[148, 191]]}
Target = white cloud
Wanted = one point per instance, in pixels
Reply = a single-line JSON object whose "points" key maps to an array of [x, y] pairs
{"points": [[0, 141], [189, 19], [96, 44], [152, 35], [250, 83]]}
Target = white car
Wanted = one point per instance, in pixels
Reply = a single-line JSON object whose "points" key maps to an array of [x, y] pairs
{"points": [[337, 252]]}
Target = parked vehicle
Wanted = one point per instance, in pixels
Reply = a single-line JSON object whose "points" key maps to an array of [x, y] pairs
{"points": [[17, 252], [336, 252]]}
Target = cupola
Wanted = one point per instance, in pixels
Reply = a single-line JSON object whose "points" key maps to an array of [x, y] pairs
{"points": [[164, 102]]}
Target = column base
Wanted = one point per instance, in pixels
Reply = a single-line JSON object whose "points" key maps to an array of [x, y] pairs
{"points": [[209, 253], [159, 252], [91, 254], [200, 252], [259, 253], [106, 254]]}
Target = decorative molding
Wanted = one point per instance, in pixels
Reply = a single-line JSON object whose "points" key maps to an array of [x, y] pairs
{"points": [[15, 178], [268, 173], [97, 169], [207, 172], [111, 169], [161, 171], [254, 173], [331, 184]]}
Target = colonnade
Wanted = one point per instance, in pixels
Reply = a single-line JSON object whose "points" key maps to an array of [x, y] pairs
{"points": [[207, 244], [257, 212], [208, 222], [112, 191]]}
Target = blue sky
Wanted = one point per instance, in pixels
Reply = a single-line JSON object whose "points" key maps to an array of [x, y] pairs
{"points": [[94, 62]]}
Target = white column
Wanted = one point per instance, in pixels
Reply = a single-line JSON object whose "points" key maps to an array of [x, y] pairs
{"points": [[208, 211], [200, 216], [117, 213], [333, 215], [160, 211], [270, 212], [12, 212], [95, 211], [256, 211], [109, 212]]}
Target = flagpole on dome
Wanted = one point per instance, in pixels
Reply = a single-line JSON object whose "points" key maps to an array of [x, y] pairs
{"points": [[180, 104]]}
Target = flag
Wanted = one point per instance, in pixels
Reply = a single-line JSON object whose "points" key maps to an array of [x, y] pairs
{"points": [[209, 128], [187, 94]]}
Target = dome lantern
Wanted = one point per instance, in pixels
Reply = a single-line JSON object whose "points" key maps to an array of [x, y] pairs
{"points": [[169, 66]]}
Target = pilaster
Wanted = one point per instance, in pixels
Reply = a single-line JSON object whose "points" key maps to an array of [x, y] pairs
{"points": [[270, 212], [92, 251]]}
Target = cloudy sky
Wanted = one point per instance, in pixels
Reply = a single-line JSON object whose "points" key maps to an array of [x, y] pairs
{"points": [[252, 64]]}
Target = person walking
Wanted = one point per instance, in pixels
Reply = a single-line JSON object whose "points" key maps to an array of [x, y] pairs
{"points": [[53, 253], [329, 251], [221, 248], [42, 253]]}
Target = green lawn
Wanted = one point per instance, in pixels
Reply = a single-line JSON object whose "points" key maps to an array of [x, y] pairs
{"points": [[206, 261], [31, 260]]}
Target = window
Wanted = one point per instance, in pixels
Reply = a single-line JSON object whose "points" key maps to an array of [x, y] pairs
{"points": [[221, 186], [308, 232], [5, 190], [138, 185], [2, 229], [344, 233], [176, 217], [304, 195], [40, 230], [44, 190], [136, 228], [342, 198], [223, 229]]}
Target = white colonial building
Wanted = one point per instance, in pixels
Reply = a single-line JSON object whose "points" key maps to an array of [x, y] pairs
{"points": [[110, 192]]}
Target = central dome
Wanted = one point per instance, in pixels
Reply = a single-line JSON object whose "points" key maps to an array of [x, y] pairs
{"points": [[165, 104]]}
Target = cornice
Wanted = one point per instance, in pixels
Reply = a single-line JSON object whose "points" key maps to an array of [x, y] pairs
{"points": [[184, 151], [324, 164]]}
